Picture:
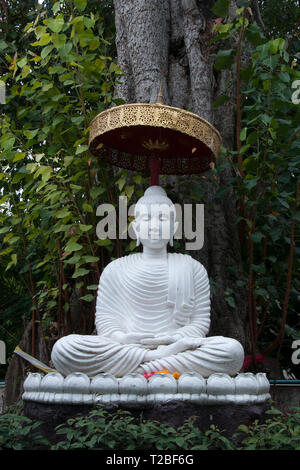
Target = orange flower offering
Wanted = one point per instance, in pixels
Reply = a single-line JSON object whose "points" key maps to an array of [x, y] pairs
{"points": [[147, 375]]}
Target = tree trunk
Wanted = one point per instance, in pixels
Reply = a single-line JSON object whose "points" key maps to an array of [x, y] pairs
{"points": [[19, 368], [167, 42]]}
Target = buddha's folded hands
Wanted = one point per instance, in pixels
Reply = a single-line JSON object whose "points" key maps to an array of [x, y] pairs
{"points": [[158, 340], [181, 345], [131, 338]]}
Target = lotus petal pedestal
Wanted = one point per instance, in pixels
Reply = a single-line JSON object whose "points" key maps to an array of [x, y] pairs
{"points": [[133, 390]]}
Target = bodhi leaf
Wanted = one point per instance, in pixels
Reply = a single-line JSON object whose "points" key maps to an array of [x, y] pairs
{"points": [[221, 8], [88, 298], [55, 24], [62, 213], [73, 246], [80, 272]]}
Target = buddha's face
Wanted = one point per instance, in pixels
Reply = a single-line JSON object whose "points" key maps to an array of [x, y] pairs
{"points": [[154, 224]]}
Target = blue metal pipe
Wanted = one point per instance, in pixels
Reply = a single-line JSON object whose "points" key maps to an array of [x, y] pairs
{"points": [[285, 381]]}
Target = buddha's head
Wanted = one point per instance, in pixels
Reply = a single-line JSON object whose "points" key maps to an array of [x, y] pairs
{"points": [[155, 216]]}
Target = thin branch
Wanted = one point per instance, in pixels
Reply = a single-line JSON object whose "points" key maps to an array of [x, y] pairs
{"points": [[289, 279]]}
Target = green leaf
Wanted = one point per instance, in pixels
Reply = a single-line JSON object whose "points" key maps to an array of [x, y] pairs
{"points": [[73, 260], [13, 240], [221, 8], [41, 264], [284, 77], [224, 59], [13, 262], [46, 51], [3, 45], [80, 272], [221, 193], [31, 167], [94, 44], [55, 24], [137, 178], [221, 100], [68, 160], [257, 237], [73, 246], [254, 35], [88, 298], [84, 228], [4, 230], [243, 3], [297, 216], [22, 62], [243, 428], [75, 187], [80, 4], [92, 287], [19, 156], [30, 134], [104, 242], [230, 300], [250, 183], [90, 259], [61, 228], [44, 40], [129, 190], [259, 268], [59, 40], [243, 134], [63, 213], [8, 143], [56, 7], [121, 183], [87, 207], [97, 191], [81, 149]]}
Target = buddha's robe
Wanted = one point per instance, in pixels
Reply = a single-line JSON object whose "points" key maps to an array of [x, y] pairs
{"points": [[162, 299]]}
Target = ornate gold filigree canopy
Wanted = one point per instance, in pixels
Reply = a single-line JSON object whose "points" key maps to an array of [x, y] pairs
{"points": [[133, 136]]}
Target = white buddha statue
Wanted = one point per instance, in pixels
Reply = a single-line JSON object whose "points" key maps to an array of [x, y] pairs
{"points": [[153, 310]]}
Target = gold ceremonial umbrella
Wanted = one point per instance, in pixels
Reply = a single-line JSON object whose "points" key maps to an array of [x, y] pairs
{"points": [[154, 138]]}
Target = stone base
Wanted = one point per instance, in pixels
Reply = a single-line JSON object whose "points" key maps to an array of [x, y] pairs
{"points": [[219, 399], [171, 413]]}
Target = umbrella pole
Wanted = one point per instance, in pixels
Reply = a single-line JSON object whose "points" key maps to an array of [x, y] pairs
{"points": [[154, 170]]}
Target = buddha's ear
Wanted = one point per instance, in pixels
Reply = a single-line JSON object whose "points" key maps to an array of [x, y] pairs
{"points": [[176, 224], [173, 233], [135, 227]]}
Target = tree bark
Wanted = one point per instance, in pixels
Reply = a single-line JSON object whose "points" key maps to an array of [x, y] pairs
{"points": [[168, 42]]}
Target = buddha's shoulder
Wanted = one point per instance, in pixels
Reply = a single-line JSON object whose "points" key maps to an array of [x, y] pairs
{"points": [[122, 262], [188, 259]]}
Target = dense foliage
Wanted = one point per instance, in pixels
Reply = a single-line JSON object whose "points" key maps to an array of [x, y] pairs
{"points": [[103, 430], [51, 186], [265, 169], [57, 61]]}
